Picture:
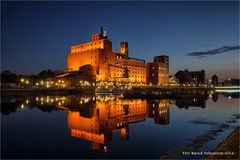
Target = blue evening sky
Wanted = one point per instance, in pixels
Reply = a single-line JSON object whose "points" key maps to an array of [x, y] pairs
{"points": [[38, 35]]}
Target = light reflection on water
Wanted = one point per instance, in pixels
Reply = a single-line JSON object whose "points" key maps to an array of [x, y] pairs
{"points": [[109, 126]]}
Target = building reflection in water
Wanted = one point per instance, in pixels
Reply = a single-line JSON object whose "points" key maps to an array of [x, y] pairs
{"points": [[115, 116], [215, 96], [159, 111], [95, 118], [227, 94], [231, 95], [191, 101]]}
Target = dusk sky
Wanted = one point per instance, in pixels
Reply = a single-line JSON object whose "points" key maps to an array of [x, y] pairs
{"points": [[195, 35]]}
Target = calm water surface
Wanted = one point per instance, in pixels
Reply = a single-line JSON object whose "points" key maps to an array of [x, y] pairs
{"points": [[111, 127]]}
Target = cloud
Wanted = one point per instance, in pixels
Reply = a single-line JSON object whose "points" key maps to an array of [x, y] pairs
{"points": [[201, 57], [214, 51]]}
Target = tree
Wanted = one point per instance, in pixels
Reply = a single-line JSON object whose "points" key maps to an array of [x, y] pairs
{"points": [[8, 77], [46, 74]]}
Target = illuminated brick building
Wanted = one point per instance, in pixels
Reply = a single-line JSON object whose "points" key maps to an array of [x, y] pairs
{"points": [[108, 65], [158, 70]]}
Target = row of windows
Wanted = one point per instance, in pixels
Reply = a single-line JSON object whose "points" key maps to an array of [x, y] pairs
{"points": [[161, 68], [137, 65], [131, 63], [87, 46], [163, 111], [130, 76], [94, 56], [138, 73], [130, 71], [84, 49], [136, 69], [131, 109], [134, 76], [94, 51], [163, 75], [137, 80], [94, 62]]}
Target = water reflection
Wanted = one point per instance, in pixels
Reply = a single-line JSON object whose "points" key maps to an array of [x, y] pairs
{"points": [[105, 117], [229, 95], [192, 101], [96, 118], [215, 96]]}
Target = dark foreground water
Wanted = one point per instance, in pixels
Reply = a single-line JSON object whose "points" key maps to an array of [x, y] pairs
{"points": [[112, 127]]}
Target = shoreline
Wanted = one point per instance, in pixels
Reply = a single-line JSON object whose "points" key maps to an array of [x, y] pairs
{"points": [[228, 148], [141, 92]]}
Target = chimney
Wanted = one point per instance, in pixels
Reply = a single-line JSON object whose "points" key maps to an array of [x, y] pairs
{"points": [[101, 30]]}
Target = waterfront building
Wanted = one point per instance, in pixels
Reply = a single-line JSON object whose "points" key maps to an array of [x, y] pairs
{"points": [[231, 82], [193, 77], [81, 77], [158, 71], [108, 65], [152, 73], [173, 81], [214, 80]]}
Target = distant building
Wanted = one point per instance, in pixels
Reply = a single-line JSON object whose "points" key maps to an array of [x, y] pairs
{"points": [[214, 80], [173, 80], [231, 82], [158, 70], [193, 77], [76, 78]]}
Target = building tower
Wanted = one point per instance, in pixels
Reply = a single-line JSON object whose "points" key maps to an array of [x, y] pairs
{"points": [[164, 63], [161, 59], [101, 30], [214, 80], [124, 48], [163, 69]]}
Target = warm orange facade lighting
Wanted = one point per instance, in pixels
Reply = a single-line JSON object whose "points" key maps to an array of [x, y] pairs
{"points": [[108, 65]]}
